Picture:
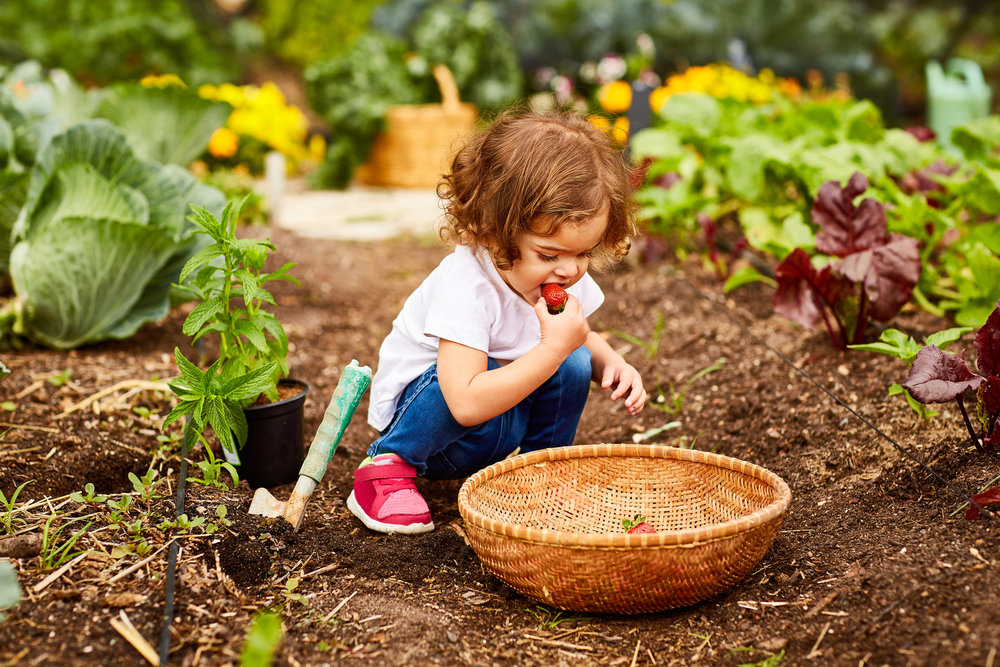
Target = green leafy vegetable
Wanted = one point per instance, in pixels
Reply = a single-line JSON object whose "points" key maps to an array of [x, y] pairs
{"points": [[100, 240], [169, 125]]}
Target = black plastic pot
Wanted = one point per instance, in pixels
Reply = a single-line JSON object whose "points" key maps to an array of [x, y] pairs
{"points": [[275, 447]]}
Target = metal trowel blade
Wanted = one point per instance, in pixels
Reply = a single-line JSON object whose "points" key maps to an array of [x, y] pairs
{"points": [[265, 504]]}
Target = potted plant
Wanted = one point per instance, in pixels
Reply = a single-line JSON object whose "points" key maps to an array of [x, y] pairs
{"points": [[245, 396]]}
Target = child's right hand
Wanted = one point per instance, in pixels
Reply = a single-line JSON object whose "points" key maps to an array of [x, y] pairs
{"points": [[565, 331]]}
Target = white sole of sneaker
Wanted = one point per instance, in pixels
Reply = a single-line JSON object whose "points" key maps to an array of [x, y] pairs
{"points": [[378, 526]]}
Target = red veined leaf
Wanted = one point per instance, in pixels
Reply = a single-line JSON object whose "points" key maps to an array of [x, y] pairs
{"points": [[889, 273], [989, 395], [988, 344], [938, 377], [984, 499], [844, 227], [802, 289]]}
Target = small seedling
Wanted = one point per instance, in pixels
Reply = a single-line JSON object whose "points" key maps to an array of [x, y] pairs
{"points": [[181, 524], [10, 589], [7, 520], [61, 378], [211, 471], [290, 595], [52, 556], [772, 659], [221, 523], [673, 404], [145, 486], [144, 412], [120, 509], [550, 620], [653, 345], [88, 496]]}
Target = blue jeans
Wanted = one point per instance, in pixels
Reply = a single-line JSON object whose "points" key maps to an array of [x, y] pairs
{"points": [[426, 436]]}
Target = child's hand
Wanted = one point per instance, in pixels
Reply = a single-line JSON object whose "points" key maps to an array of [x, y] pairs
{"points": [[626, 382], [565, 331]]}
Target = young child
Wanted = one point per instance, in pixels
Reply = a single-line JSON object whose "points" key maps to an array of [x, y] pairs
{"points": [[475, 366]]}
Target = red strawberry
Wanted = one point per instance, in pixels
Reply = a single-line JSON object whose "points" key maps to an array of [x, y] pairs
{"points": [[637, 525], [555, 297]]}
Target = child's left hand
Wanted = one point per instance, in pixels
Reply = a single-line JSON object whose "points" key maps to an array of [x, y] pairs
{"points": [[626, 382]]}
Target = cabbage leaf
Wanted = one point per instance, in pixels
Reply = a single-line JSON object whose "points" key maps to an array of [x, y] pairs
{"points": [[101, 238]]}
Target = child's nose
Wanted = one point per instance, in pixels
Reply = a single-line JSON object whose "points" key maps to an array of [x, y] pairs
{"points": [[568, 268]]}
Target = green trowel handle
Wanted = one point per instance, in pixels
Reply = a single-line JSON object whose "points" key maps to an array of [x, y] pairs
{"points": [[354, 380]]}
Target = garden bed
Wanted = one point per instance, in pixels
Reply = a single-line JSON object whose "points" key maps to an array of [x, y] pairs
{"points": [[873, 564]]}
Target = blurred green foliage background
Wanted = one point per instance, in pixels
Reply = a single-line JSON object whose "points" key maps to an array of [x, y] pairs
{"points": [[882, 45]]}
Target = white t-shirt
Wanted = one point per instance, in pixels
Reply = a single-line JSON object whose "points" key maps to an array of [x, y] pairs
{"points": [[464, 300]]}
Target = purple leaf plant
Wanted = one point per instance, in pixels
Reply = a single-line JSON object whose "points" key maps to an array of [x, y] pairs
{"points": [[939, 377], [871, 276]]}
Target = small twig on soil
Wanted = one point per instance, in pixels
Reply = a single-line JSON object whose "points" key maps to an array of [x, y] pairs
{"points": [[141, 385], [822, 604], [543, 640], [135, 566], [18, 451], [635, 653], [29, 427], [815, 653], [339, 607], [325, 568], [30, 389], [132, 636]]}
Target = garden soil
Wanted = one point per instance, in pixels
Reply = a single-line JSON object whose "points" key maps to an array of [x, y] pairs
{"points": [[875, 563]]}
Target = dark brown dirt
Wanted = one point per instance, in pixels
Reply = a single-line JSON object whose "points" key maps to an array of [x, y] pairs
{"points": [[875, 564]]}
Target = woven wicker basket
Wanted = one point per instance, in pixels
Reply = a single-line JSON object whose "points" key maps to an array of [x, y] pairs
{"points": [[419, 140], [549, 524]]}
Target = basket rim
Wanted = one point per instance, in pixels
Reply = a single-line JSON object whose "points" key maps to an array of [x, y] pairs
{"points": [[676, 538]]}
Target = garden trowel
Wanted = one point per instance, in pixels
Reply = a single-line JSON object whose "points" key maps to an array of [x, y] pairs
{"points": [[354, 380]]}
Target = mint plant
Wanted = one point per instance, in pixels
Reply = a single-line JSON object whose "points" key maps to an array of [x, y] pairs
{"points": [[940, 377], [227, 277], [867, 273]]}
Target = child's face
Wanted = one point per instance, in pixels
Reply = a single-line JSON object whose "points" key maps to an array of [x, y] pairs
{"points": [[562, 258]]}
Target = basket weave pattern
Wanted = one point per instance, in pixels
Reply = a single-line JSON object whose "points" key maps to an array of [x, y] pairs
{"points": [[549, 524], [419, 140]]}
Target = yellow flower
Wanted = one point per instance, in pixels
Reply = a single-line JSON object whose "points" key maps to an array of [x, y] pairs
{"points": [[600, 122], [658, 98], [223, 144], [161, 81], [615, 97], [619, 131]]}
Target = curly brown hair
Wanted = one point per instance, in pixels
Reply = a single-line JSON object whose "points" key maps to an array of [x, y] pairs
{"points": [[534, 172]]}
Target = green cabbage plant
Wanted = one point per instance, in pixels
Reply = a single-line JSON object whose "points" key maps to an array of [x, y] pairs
{"points": [[100, 239]]}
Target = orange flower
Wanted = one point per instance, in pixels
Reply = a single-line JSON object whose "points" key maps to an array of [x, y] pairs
{"points": [[615, 97], [223, 144]]}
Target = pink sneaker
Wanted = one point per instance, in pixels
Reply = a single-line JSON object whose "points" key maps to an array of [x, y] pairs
{"points": [[386, 499]]}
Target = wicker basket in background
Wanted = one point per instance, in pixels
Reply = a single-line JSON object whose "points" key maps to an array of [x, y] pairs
{"points": [[419, 140], [549, 524]]}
